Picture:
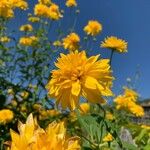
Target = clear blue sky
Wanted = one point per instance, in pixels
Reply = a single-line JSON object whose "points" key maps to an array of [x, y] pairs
{"points": [[127, 19]]}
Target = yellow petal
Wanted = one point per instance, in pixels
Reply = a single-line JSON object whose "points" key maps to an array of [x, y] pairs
{"points": [[76, 88], [92, 83]]}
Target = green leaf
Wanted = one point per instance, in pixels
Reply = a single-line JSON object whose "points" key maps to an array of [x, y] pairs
{"points": [[129, 146]]}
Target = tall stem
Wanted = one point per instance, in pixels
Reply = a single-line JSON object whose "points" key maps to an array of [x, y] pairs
{"points": [[111, 56]]}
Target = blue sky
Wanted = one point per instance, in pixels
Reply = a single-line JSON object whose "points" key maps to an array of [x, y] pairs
{"points": [[129, 20], [126, 19]]}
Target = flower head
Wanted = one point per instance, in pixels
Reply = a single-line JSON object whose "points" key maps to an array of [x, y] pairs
{"points": [[31, 136], [45, 2], [26, 27], [78, 76], [137, 110], [41, 10], [131, 93], [6, 115], [108, 138], [44, 114], [147, 127], [71, 42], [34, 19], [6, 10], [28, 41], [7, 7], [93, 28], [57, 43], [109, 116], [22, 4], [24, 94], [115, 43], [53, 12], [4, 39], [127, 102], [71, 3]]}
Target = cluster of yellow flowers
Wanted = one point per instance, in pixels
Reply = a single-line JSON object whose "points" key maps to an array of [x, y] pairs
{"points": [[127, 101], [78, 76], [28, 41], [93, 28], [7, 7], [6, 115], [31, 136], [26, 27], [115, 43], [46, 8]]}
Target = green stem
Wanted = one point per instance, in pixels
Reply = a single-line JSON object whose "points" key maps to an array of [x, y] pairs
{"points": [[111, 56], [99, 105]]}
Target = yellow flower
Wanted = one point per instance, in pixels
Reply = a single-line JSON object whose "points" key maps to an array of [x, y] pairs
{"points": [[14, 103], [147, 127], [131, 93], [137, 110], [45, 2], [24, 94], [28, 41], [24, 139], [55, 137], [57, 43], [122, 102], [41, 10], [10, 91], [4, 39], [108, 138], [44, 114], [115, 43], [84, 108], [71, 3], [6, 116], [53, 112], [23, 108], [109, 116], [34, 19], [93, 28], [127, 101], [78, 76], [6, 10], [7, 7], [37, 106], [22, 4], [31, 136], [71, 42], [53, 12], [32, 86], [26, 28]]}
